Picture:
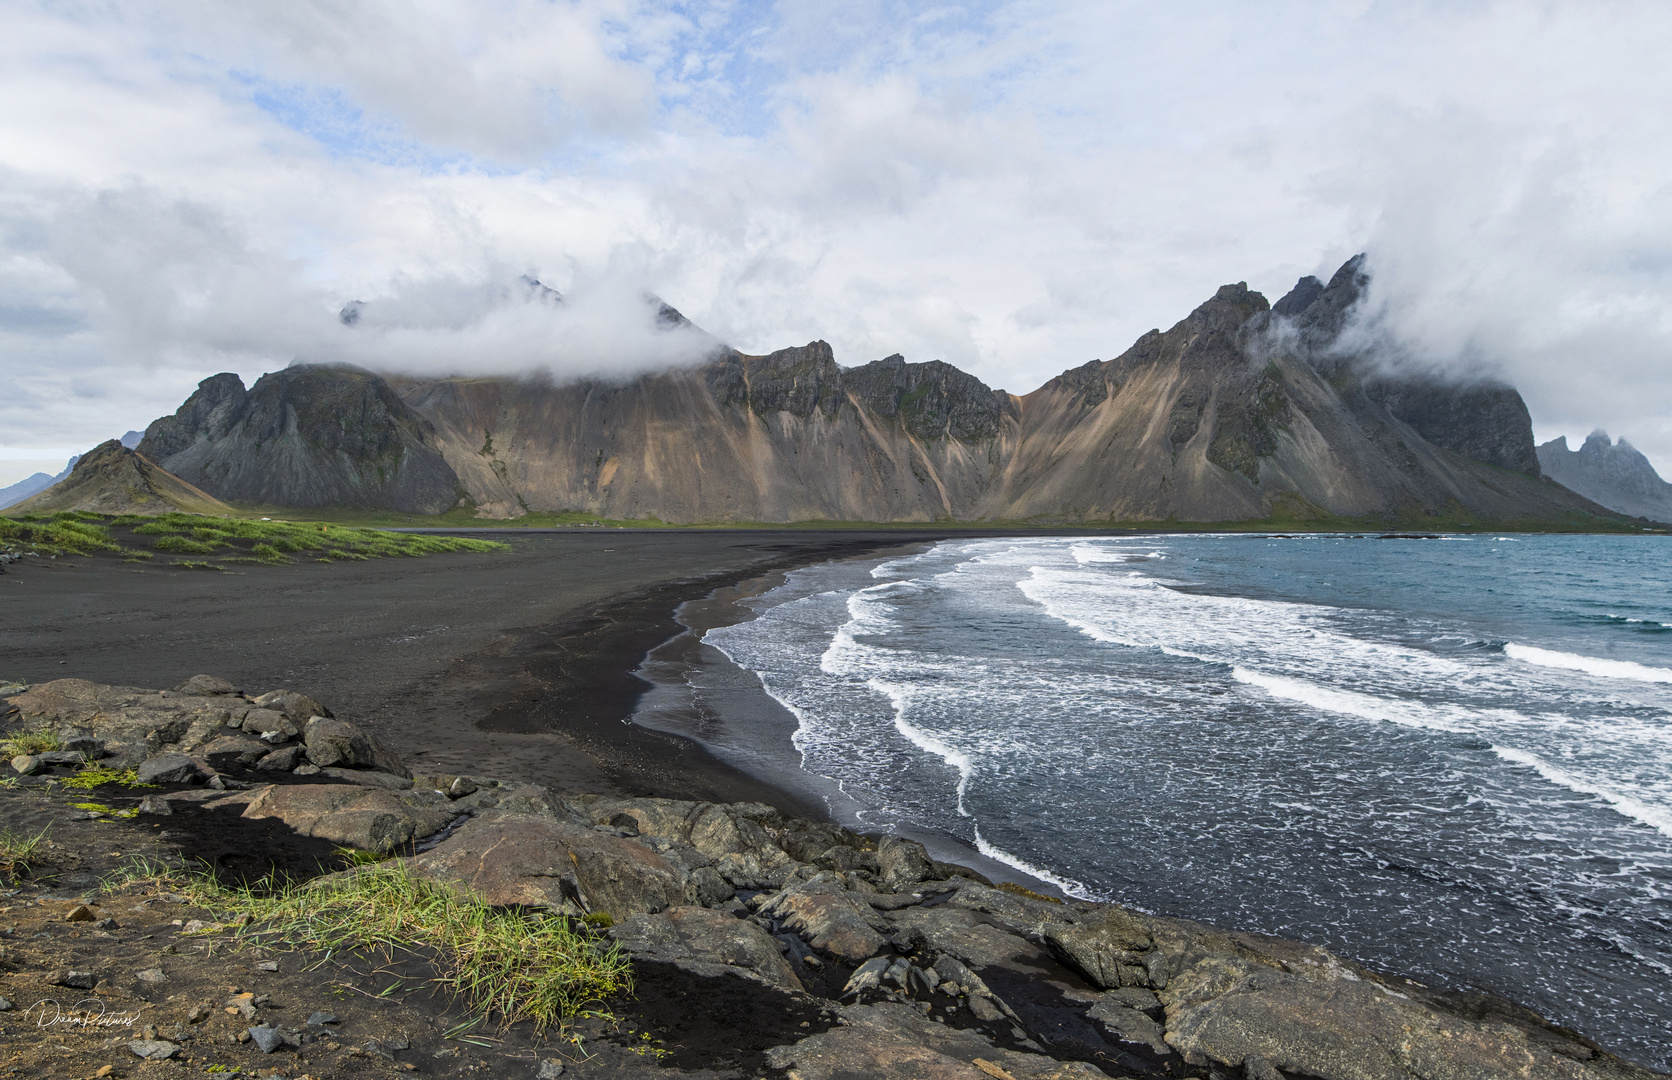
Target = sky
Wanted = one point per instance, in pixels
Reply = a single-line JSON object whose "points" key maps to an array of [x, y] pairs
{"points": [[190, 187]]}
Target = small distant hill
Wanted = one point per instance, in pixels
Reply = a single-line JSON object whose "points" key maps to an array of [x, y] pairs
{"points": [[1615, 474], [112, 479]]}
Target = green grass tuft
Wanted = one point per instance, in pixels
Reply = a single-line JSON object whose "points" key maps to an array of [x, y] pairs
{"points": [[33, 741], [19, 854], [92, 776], [499, 962]]}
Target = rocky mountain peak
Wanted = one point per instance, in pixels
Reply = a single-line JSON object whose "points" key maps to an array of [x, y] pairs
{"points": [[1615, 474]]}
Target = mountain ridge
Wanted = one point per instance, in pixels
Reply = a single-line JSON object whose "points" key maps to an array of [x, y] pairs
{"points": [[1242, 410], [1614, 474]]}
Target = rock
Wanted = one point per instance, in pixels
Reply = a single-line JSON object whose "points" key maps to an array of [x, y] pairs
{"points": [[282, 760], [706, 887], [902, 863], [368, 778], [359, 817], [300, 708], [89, 747], [265, 722], [458, 789], [1337, 1024], [156, 805], [828, 919], [891, 1041], [152, 976], [75, 980], [199, 1013], [337, 742], [707, 943], [154, 1049], [5, 1005], [80, 913], [964, 934], [320, 1019], [205, 686], [1109, 952], [27, 764], [538, 862], [549, 1069], [867, 976], [168, 769], [268, 1039], [1129, 1025], [233, 751], [306, 769], [267, 965]]}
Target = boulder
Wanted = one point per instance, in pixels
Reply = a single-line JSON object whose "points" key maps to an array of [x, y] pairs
{"points": [[902, 863], [828, 918], [205, 686], [895, 1042], [270, 722], [337, 742], [1109, 951], [368, 778], [1129, 1025], [707, 943], [133, 723], [229, 751], [533, 861], [281, 760], [370, 819], [169, 769], [964, 934], [1228, 1011], [299, 707]]}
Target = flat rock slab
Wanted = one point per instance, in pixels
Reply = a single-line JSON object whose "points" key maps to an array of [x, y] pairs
{"points": [[529, 860], [894, 1042], [370, 819], [707, 943]]}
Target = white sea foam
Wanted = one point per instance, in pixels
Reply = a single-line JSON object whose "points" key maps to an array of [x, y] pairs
{"points": [[1657, 817], [1404, 713], [1590, 665], [900, 698], [1068, 885]]}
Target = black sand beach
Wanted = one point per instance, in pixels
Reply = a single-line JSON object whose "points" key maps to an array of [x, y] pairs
{"points": [[517, 664]]}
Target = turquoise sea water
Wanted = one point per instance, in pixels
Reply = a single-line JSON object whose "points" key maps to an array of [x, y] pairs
{"points": [[1449, 758]]}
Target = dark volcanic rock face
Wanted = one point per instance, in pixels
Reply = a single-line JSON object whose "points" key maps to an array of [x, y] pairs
{"points": [[933, 400], [1485, 421], [311, 435], [1614, 474]]}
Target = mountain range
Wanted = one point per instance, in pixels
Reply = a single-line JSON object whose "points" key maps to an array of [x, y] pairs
{"points": [[1243, 410]]}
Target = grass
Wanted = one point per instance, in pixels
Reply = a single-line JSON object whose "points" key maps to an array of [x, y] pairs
{"points": [[19, 854], [233, 540], [92, 776], [33, 741], [501, 963]]}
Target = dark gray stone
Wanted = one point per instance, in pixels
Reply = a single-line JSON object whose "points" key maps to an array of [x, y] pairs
{"points": [[168, 769]]}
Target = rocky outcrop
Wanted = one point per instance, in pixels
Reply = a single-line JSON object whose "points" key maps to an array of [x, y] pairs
{"points": [[930, 970], [112, 479], [307, 436], [1615, 474]]}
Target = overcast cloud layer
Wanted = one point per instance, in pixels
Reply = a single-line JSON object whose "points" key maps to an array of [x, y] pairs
{"points": [[1016, 188]]}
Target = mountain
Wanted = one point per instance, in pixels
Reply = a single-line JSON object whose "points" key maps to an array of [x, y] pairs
{"points": [[307, 436], [29, 485], [1617, 475], [1242, 410], [111, 479]]}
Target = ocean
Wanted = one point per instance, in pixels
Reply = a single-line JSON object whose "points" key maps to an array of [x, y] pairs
{"points": [[1447, 758]]}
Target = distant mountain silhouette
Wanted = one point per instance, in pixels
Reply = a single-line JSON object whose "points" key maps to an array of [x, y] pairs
{"points": [[1616, 475]]}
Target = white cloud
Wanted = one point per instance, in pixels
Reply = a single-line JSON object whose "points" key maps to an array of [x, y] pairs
{"points": [[1015, 187]]}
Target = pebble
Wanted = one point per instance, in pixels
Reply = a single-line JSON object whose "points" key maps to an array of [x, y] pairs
{"points": [[75, 980], [319, 1019], [151, 975], [267, 965], [5, 1005], [549, 1070], [266, 1039], [81, 913], [153, 1049]]}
